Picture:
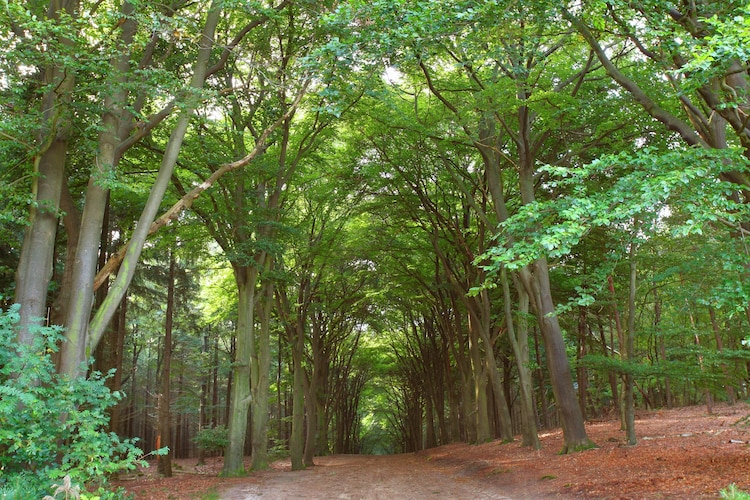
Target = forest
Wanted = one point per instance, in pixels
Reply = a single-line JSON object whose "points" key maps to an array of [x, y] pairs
{"points": [[297, 228]]}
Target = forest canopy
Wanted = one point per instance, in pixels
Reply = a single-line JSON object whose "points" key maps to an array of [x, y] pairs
{"points": [[297, 227]]}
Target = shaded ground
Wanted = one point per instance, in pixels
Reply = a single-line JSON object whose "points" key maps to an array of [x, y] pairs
{"points": [[681, 453]]}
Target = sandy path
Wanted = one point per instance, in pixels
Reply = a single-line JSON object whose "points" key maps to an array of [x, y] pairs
{"points": [[404, 477]]}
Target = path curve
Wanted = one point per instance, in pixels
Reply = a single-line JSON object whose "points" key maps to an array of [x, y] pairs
{"points": [[361, 477]]}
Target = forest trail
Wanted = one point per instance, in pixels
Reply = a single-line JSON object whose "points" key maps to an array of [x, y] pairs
{"points": [[406, 476], [681, 453]]}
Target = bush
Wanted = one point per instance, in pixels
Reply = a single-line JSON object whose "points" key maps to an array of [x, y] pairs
{"points": [[212, 439], [733, 493], [52, 427]]}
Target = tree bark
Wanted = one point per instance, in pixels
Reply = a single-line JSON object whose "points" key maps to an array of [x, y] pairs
{"points": [[165, 424], [630, 350], [260, 362], [520, 345], [127, 268], [240, 397], [34, 270]]}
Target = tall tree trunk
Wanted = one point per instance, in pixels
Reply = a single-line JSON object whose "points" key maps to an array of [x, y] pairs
{"points": [[165, 425], [479, 378], [74, 349], [203, 401], [34, 270], [538, 287], [119, 287], [546, 421], [296, 440], [630, 352], [731, 398], [312, 397], [662, 346], [581, 372], [520, 345], [492, 370], [261, 366], [240, 397], [119, 329]]}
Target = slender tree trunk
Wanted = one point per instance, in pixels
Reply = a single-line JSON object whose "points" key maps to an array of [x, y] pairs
{"points": [[127, 267], [296, 440], [203, 400], [165, 400], [120, 328], [542, 385], [731, 397], [312, 396], [630, 350], [623, 349], [72, 226], [479, 379], [581, 372], [662, 346], [215, 384], [520, 345]]}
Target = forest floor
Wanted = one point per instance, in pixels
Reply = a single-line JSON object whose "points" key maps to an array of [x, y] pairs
{"points": [[683, 453]]}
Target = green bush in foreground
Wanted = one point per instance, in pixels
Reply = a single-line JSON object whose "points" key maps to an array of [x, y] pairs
{"points": [[732, 493], [51, 427]]}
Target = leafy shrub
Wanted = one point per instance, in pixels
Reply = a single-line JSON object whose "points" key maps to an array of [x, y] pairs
{"points": [[733, 493], [212, 439], [52, 427]]}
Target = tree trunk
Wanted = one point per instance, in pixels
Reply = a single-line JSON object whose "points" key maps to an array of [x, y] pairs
{"points": [[538, 287], [520, 345], [34, 270], [731, 397], [630, 350], [104, 314], [240, 397], [546, 423], [312, 397], [74, 349], [479, 378], [260, 363], [296, 440], [165, 427], [165, 400], [203, 399]]}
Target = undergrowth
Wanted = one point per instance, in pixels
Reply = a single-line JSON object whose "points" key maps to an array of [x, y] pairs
{"points": [[53, 431]]}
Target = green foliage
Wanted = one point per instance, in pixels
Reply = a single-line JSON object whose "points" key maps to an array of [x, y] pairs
{"points": [[51, 427], [728, 43], [629, 193], [734, 493], [212, 438]]}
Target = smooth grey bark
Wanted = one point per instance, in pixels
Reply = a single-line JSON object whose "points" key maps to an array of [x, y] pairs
{"points": [[127, 268], [260, 365], [34, 270], [81, 294], [240, 397]]}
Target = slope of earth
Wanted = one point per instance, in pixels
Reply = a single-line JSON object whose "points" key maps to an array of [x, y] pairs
{"points": [[681, 453]]}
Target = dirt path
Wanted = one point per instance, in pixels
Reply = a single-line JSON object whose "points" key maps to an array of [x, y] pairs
{"points": [[405, 477], [683, 453]]}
